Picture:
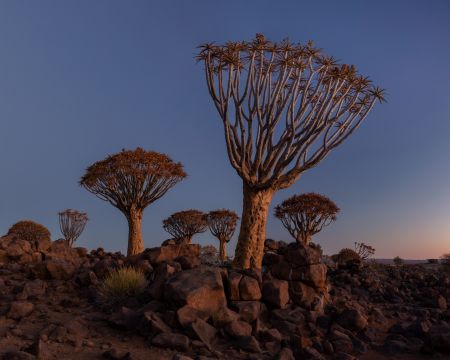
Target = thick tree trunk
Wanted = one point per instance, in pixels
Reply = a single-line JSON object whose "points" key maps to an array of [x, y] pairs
{"points": [[223, 249], [250, 247], [135, 242]]}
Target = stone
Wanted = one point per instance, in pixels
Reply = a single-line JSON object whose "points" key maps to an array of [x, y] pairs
{"points": [[125, 318], [441, 303], [275, 293], [34, 288], [187, 315], [18, 355], [301, 294], [170, 340], [188, 262], [224, 316], [204, 332], [20, 309], [352, 319], [248, 310], [115, 354], [233, 281], [285, 354], [171, 252], [151, 324], [40, 349], [298, 254], [248, 343], [438, 339], [238, 328], [249, 289], [200, 288], [59, 269]]}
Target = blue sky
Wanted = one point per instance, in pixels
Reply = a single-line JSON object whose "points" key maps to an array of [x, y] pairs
{"points": [[83, 79]]}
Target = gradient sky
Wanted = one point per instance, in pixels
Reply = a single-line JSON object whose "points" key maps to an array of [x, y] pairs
{"points": [[83, 79]]}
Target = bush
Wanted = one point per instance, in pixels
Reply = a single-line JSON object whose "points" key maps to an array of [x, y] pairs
{"points": [[121, 284], [347, 256], [398, 261], [445, 262], [30, 231]]}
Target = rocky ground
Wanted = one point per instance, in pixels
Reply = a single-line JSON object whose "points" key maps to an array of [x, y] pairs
{"points": [[295, 308]]}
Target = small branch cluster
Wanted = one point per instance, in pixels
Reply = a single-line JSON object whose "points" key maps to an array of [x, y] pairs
{"points": [[72, 223], [305, 215], [183, 225], [364, 251], [222, 224]]}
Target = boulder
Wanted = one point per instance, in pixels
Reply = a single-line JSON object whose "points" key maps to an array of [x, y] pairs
{"points": [[238, 328], [60, 269], [249, 288], [187, 315], [233, 280], [201, 288], [204, 332], [20, 309], [352, 319], [275, 293], [171, 252], [172, 341]]}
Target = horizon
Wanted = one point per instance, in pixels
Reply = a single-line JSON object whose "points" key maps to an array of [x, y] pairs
{"points": [[82, 81]]}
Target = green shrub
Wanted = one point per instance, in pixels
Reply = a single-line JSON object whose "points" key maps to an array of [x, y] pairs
{"points": [[30, 231], [347, 256], [122, 284]]}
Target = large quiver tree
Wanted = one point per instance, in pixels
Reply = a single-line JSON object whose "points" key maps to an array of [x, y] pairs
{"points": [[130, 181], [183, 225], [222, 224], [284, 107], [305, 215]]}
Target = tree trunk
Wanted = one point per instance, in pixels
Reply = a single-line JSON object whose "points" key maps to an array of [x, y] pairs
{"points": [[135, 242], [252, 235], [223, 249]]}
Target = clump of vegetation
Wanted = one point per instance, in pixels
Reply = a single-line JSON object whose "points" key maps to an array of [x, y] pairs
{"points": [[121, 284], [72, 223], [284, 107], [364, 251], [445, 262], [183, 225], [305, 215], [30, 231], [222, 224], [398, 261], [130, 181], [347, 257]]}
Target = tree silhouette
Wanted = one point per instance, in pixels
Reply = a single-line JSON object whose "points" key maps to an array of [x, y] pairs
{"points": [[72, 223], [364, 251], [130, 181], [284, 107], [222, 224], [305, 215], [183, 225]]}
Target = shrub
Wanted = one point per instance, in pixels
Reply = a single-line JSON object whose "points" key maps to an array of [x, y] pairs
{"points": [[398, 261], [445, 262], [121, 284], [30, 231], [348, 256]]}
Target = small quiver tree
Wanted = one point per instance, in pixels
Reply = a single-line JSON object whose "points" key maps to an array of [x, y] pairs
{"points": [[130, 181], [183, 225], [284, 107], [364, 251], [222, 224], [305, 215], [72, 223]]}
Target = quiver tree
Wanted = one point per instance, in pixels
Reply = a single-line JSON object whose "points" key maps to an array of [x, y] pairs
{"points": [[183, 225], [364, 251], [72, 223], [130, 181], [222, 224], [284, 107], [305, 215]]}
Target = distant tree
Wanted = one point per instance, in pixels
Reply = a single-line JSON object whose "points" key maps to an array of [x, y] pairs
{"points": [[130, 181], [445, 262], [72, 223], [398, 261], [183, 225], [433, 261], [364, 251], [222, 224], [305, 215], [284, 107]]}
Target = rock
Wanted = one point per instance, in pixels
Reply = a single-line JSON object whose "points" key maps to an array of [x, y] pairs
{"points": [[238, 328], [393, 347], [200, 288], [163, 272], [40, 349], [171, 252], [151, 324], [18, 355], [20, 309], [233, 281], [188, 262], [298, 254], [34, 288], [170, 340], [248, 310], [441, 303], [249, 289], [224, 316], [115, 354], [181, 357], [59, 269], [125, 318], [205, 332], [352, 319], [302, 294], [187, 315], [248, 343], [275, 293], [269, 335], [438, 339], [285, 354]]}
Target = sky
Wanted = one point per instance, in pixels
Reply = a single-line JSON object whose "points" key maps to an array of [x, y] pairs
{"points": [[83, 79]]}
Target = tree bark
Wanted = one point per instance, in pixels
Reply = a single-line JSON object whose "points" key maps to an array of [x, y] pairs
{"points": [[223, 249], [250, 247], [135, 242]]}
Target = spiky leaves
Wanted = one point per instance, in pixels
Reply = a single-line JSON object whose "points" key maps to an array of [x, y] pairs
{"points": [[222, 224], [183, 225], [364, 251], [284, 106], [305, 215], [130, 181], [72, 223]]}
